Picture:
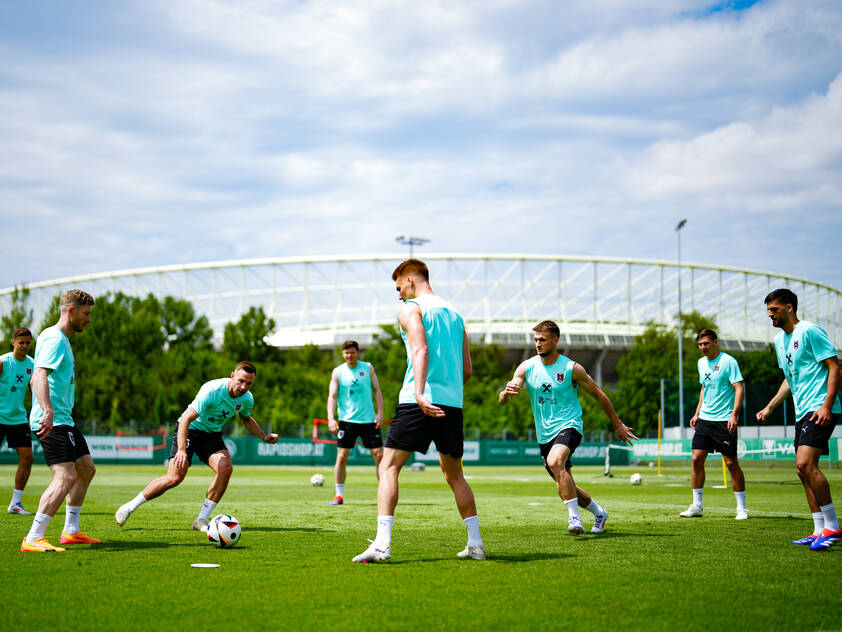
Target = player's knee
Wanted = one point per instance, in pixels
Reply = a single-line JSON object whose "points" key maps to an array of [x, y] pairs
{"points": [[27, 459], [225, 469], [804, 468], [556, 464]]}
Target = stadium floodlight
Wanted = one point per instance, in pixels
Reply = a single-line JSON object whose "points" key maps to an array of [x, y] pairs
{"points": [[680, 336], [411, 242]]}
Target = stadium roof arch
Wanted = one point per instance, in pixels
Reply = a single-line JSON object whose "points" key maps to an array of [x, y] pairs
{"points": [[600, 303]]}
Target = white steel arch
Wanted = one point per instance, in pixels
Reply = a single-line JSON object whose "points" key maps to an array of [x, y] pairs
{"points": [[599, 302]]}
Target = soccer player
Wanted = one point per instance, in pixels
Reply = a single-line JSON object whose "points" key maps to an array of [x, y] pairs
{"points": [[351, 384], [51, 419], [811, 375], [199, 432], [552, 381], [715, 421], [429, 405], [15, 372]]}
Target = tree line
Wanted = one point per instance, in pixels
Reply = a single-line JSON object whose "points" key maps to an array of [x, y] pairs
{"points": [[141, 360]]}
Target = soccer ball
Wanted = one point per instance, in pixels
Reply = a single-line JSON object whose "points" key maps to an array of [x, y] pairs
{"points": [[317, 480], [224, 531], [635, 479]]}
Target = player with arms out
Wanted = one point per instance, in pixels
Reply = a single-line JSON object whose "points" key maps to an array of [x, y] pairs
{"points": [[351, 386], [429, 405], [15, 373], [811, 374], [552, 382], [715, 421], [199, 432], [51, 419]]}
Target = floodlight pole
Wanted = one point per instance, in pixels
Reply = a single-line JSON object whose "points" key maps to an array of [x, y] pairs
{"points": [[411, 241], [680, 337]]}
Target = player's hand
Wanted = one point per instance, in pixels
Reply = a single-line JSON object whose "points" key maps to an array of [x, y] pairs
{"points": [[693, 421], [821, 417], [763, 415], [270, 438], [378, 420], [180, 459], [333, 426], [45, 427], [732, 424], [512, 388], [625, 433], [428, 408]]}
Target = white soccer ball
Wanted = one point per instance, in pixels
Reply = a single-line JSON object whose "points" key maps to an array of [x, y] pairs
{"points": [[317, 480], [224, 531], [635, 479]]}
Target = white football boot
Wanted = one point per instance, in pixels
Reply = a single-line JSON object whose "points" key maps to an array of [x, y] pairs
{"points": [[200, 524], [122, 514], [374, 554], [742, 514], [693, 511], [599, 520], [472, 552]]}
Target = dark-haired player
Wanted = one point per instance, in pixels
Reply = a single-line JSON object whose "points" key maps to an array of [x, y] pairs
{"points": [[199, 432], [552, 381], [351, 386], [715, 421], [15, 372], [811, 372]]}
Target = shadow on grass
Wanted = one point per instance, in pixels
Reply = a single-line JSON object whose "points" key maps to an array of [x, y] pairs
{"points": [[130, 546], [513, 558], [289, 529]]}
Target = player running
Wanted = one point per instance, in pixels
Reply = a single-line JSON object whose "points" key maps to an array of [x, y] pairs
{"points": [[351, 385], [199, 432], [51, 419], [429, 405], [811, 370], [15, 372], [552, 381], [715, 421]]}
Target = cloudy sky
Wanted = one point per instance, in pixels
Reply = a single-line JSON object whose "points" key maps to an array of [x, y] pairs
{"points": [[178, 131]]}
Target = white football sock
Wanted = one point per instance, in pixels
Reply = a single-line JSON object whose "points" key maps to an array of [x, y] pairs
{"points": [[207, 508], [340, 489], [384, 531], [830, 520], [697, 497], [741, 499], [39, 527], [137, 501], [472, 524], [17, 495], [71, 519], [594, 508], [818, 523], [573, 508]]}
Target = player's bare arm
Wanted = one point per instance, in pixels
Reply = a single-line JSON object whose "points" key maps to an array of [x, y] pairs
{"points": [[584, 380], [739, 396], [41, 391], [254, 428], [333, 394], [513, 386], [781, 395], [695, 416], [378, 398], [187, 417], [409, 316], [467, 365], [822, 416]]}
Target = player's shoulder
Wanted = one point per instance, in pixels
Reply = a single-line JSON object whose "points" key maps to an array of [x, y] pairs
{"points": [[214, 385]]}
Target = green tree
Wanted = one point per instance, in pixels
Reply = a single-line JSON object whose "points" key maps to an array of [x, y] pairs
{"points": [[19, 316]]}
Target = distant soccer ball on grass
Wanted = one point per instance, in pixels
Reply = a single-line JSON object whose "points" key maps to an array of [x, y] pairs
{"points": [[224, 531], [635, 479], [317, 480]]}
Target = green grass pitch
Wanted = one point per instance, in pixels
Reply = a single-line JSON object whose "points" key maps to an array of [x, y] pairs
{"points": [[651, 570]]}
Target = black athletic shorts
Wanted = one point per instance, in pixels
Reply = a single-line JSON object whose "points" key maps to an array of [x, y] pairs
{"points": [[202, 444], [808, 433], [569, 437], [17, 435], [348, 433], [65, 444], [413, 431], [713, 436]]}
